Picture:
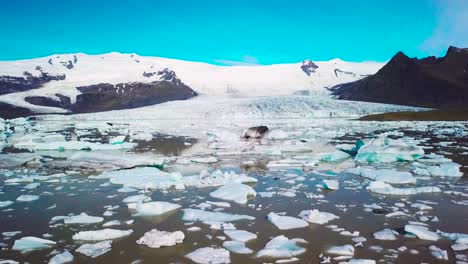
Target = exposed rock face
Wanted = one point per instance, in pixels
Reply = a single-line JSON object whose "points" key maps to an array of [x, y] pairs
{"points": [[255, 133], [12, 84], [8, 111], [308, 67], [429, 82]]}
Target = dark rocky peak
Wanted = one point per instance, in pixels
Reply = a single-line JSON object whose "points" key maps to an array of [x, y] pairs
{"points": [[453, 49], [309, 67], [164, 75], [400, 57]]}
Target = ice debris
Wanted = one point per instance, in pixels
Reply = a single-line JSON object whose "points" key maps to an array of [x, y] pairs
{"points": [[236, 192], [385, 188], [103, 234], [210, 255], [26, 244], [156, 239], [286, 222], [95, 250], [384, 175]]}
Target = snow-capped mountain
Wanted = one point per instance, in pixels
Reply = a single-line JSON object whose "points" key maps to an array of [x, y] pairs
{"points": [[89, 83]]}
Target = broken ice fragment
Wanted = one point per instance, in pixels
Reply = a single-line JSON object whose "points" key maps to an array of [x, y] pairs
{"points": [[282, 247], [156, 239], [210, 255], [286, 222], [26, 244], [236, 192]]}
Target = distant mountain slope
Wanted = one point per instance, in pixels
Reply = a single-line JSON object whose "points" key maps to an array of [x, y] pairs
{"points": [[77, 83], [429, 82]]}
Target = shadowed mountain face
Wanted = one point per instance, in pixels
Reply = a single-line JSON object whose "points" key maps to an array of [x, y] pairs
{"points": [[429, 82]]}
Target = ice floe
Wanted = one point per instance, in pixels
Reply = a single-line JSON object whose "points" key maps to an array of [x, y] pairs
{"points": [[103, 234], [240, 235], [286, 222], [282, 247], [27, 198], [237, 247], [385, 188], [62, 258], [236, 192], [82, 219], [210, 255], [330, 184], [384, 149], [26, 244], [422, 232], [384, 175], [154, 208], [386, 234], [95, 250], [317, 217], [156, 239], [212, 217], [345, 250]]}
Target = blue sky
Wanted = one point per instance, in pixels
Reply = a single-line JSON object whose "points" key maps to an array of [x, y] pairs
{"points": [[234, 32]]}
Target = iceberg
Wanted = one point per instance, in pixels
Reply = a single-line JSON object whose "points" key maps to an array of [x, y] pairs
{"points": [[282, 247], [383, 149], [82, 219], [240, 235], [62, 258], [449, 169], [336, 156], [216, 178], [154, 208], [26, 244], [286, 222], [422, 232], [385, 188], [95, 250], [236, 192], [5, 203], [384, 175], [438, 253], [213, 217], [156, 239], [386, 234], [317, 217], [27, 198], [346, 250], [330, 184], [210, 255], [237, 247], [103, 234]]}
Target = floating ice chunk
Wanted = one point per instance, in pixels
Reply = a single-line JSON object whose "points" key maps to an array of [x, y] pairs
{"points": [[117, 140], [26, 244], [62, 258], [236, 192], [27, 198], [156, 239], [71, 145], [210, 255], [95, 250], [317, 217], [386, 234], [111, 161], [385, 188], [139, 198], [5, 203], [422, 232], [286, 222], [112, 223], [31, 186], [217, 178], [145, 178], [330, 184], [154, 208], [282, 247], [438, 253], [205, 160], [82, 219], [346, 250], [359, 261], [384, 175], [459, 247], [383, 149], [335, 156], [240, 235], [449, 169], [237, 247], [455, 236], [103, 234], [206, 216], [421, 206]]}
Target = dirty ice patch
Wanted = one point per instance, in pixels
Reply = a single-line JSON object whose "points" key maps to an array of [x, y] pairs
{"points": [[212, 217], [154, 208], [103, 234], [282, 247], [385, 188], [210, 255], [317, 217], [156, 239], [95, 250], [27, 244], [384, 175], [286, 222], [236, 192]]}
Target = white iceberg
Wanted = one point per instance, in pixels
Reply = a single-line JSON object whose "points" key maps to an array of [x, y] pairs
{"points": [[5, 203], [384, 175], [330, 184], [207, 216], [26, 244], [385, 188], [210, 255], [237, 247], [156, 239], [154, 208], [62, 258], [282, 247], [449, 169], [240, 235], [345, 250], [27, 198], [317, 217], [386, 234], [286, 222], [438, 253], [422, 232], [103, 234], [216, 178], [383, 149], [236, 192], [82, 219], [95, 250]]}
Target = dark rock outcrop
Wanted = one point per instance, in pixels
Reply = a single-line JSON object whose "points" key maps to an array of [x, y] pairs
{"points": [[255, 133], [8, 111], [13, 84], [308, 67], [429, 82]]}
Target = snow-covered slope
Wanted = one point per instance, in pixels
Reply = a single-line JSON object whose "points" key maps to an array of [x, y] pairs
{"points": [[70, 71]]}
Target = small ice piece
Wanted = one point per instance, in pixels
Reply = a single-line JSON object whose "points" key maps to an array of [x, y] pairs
{"points": [[5, 203], [459, 247], [236, 192], [103, 234], [385, 188], [386, 234], [27, 198], [317, 217], [207, 216], [82, 219], [384, 175], [112, 223], [156, 239], [26, 244], [31, 186], [449, 169], [346, 250], [282, 247], [117, 140], [240, 235], [155, 208], [286, 222], [210, 255], [237, 247], [62, 258], [422, 232], [359, 261], [205, 160], [139, 198], [330, 184], [95, 250], [438, 253], [335, 156]]}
